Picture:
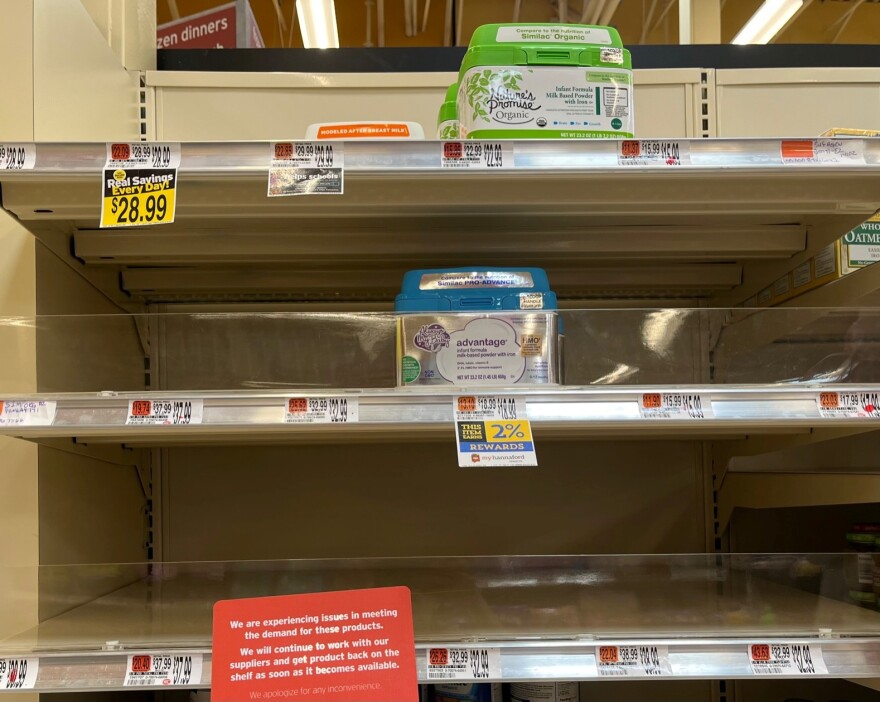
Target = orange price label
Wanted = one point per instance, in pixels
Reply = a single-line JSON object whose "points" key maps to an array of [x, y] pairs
{"points": [[141, 408], [801, 148], [652, 400], [141, 664], [630, 149], [120, 152], [439, 656], [1, 406], [760, 652], [297, 404], [452, 149], [829, 400], [283, 150], [467, 404], [608, 654]]}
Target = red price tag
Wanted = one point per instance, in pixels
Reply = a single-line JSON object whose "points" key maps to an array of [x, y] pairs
{"points": [[452, 149], [829, 400], [141, 664], [631, 149], [760, 652], [284, 151], [608, 654], [652, 400], [120, 152], [439, 656], [801, 148], [297, 404], [141, 408], [467, 404], [354, 646]]}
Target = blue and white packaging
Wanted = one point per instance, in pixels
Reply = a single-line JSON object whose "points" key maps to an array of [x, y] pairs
{"points": [[477, 326]]}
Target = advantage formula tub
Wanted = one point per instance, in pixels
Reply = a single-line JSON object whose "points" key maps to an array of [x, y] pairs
{"points": [[539, 81]]}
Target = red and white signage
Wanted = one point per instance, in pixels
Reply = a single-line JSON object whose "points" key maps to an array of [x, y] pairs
{"points": [[351, 646], [228, 26]]}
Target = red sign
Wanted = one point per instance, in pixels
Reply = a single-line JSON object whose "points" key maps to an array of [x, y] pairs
{"points": [[352, 646], [799, 148], [213, 29]]}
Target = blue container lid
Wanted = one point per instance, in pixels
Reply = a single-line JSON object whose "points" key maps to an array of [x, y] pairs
{"points": [[475, 289]]}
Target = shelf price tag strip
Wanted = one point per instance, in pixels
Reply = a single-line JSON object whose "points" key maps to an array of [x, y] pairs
{"points": [[633, 661], [306, 168], [26, 413], [653, 152], [18, 157], [321, 410], [786, 659], [164, 412], [809, 152], [493, 431], [140, 184], [835, 405], [18, 673], [478, 155], [163, 670], [464, 664], [674, 405]]}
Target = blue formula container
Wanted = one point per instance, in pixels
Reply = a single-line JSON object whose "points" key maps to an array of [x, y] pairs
{"points": [[477, 326]]}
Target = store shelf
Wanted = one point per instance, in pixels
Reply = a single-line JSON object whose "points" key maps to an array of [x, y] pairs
{"points": [[405, 414], [546, 615], [565, 206]]}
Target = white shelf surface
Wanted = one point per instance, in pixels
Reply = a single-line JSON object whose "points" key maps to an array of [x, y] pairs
{"points": [[407, 414], [567, 206], [546, 615]]}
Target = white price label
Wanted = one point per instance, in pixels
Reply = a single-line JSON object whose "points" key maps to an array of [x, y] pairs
{"points": [[18, 673], [464, 664], [38, 413], [164, 412], [493, 431], [531, 301], [143, 154], [17, 157], [163, 670], [633, 661], [849, 404], [653, 152], [306, 168], [674, 405], [806, 152], [787, 659], [321, 410], [476, 154]]}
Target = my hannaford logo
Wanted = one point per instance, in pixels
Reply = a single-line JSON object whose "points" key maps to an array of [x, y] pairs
{"points": [[432, 337], [497, 96]]}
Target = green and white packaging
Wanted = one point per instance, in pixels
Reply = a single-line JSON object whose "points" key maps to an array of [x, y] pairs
{"points": [[542, 81], [447, 120]]}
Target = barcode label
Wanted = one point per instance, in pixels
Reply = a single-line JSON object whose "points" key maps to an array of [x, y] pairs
{"points": [[163, 670], [653, 153], [674, 405], [143, 154], [848, 404], [18, 673], [633, 661], [787, 659], [164, 412], [464, 664], [321, 410]]}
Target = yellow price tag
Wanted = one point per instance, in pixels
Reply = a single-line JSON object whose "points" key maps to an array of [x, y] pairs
{"points": [[517, 431], [138, 197]]}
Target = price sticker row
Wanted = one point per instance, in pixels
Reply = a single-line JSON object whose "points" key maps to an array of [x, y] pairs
{"points": [[18, 673], [633, 661], [464, 664], [163, 670], [786, 659], [306, 168], [675, 405]]}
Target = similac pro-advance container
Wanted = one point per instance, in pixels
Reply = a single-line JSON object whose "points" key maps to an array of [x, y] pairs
{"points": [[447, 120], [544, 81]]}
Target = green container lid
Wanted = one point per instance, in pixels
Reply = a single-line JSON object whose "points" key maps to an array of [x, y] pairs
{"points": [[545, 45], [449, 108]]}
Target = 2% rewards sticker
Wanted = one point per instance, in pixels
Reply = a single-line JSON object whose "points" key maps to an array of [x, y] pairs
{"points": [[138, 196]]}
